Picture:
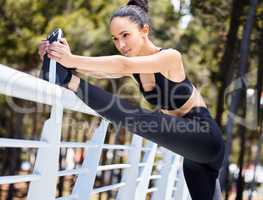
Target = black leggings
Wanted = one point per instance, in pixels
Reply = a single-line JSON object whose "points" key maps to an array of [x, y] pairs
{"points": [[195, 136]]}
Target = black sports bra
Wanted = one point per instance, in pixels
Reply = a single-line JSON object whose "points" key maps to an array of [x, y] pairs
{"points": [[167, 94]]}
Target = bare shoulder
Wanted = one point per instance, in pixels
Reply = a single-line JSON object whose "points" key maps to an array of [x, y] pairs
{"points": [[173, 56], [174, 60], [172, 52]]}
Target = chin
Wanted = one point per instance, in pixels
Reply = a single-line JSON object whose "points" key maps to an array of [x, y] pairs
{"points": [[131, 54]]}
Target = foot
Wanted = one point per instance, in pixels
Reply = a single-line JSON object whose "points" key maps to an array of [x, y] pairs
{"points": [[63, 75]]}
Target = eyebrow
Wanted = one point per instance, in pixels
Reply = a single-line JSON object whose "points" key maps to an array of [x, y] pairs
{"points": [[119, 33]]}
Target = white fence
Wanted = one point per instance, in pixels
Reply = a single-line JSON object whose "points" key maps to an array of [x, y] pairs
{"points": [[168, 185]]}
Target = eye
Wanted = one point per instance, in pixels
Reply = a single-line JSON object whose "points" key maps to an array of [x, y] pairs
{"points": [[125, 35]]}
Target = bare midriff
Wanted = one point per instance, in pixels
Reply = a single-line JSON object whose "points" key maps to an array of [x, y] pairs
{"points": [[195, 100]]}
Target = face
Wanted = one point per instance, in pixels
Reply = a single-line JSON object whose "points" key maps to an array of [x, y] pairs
{"points": [[127, 36]]}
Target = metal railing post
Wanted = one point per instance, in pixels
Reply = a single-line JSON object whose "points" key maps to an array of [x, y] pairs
{"points": [[46, 164], [130, 175], [181, 189], [142, 187], [170, 166], [83, 187]]}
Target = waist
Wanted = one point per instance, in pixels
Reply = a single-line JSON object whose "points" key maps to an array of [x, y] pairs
{"points": [[194, 101], [197, 111]]}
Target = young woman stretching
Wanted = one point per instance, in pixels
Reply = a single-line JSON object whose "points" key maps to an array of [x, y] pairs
{"points": [[182, 124]]}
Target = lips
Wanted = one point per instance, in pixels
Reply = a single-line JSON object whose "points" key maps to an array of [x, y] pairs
{"points": [[125, 52]]}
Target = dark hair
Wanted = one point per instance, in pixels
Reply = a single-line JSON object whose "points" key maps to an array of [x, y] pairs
{"points": [[136, 11]]}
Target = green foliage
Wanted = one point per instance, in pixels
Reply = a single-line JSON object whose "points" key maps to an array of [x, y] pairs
{"points": [[24, 23]]}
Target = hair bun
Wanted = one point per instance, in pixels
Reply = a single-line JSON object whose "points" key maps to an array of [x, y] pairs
{"points": [[143, 4]]}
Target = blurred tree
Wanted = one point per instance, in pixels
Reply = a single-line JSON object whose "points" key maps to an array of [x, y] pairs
{"points": [[210, 43]]}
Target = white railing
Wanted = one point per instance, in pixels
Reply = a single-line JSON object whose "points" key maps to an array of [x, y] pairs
{"points": [[43, 181]]}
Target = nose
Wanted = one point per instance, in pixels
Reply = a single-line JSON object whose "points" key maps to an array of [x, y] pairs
{"points": [[122, 44]]}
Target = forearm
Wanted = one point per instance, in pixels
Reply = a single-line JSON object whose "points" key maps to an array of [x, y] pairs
{"points": [[99, 75], [104, 64]]}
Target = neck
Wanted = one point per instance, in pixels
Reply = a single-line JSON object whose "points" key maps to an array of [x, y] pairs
{"points": [[148, 49]]}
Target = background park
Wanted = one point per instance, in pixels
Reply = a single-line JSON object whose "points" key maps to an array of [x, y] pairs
{"points": [[222, 48]]}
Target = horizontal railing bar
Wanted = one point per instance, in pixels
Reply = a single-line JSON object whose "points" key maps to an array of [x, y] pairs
{"points": [[113, 166], [72, 172], [142, 164], [146, 148], [77, 145], [155, 177], [19, 143], [18, 178], [106, 188], [18, 84], [122, 147], [151, 177], [71, 197], [154, 189]]}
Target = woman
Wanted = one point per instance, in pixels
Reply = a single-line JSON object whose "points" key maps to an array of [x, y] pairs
{"points": [[183, 123]]}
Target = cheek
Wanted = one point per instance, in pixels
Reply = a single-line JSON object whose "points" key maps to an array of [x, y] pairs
{"points": [[132, 38], [116, 44], [134, 41]]}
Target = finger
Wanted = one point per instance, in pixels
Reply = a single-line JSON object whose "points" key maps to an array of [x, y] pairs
{"points": [[44, 43], [63, 41], [56, 45], [53, 57], [41, 53], [41, 57], [54, 53], [42, 48], [54, 48]]}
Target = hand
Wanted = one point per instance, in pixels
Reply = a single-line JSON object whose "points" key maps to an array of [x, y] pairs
{"points": [[60, 52], [42, 48]]}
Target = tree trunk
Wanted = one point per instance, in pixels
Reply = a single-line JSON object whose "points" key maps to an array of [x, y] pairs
{"points": [[240, 180], [244, 51], [260, 113], [226, 69]]}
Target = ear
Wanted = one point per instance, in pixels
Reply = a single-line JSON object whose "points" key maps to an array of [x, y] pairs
{"points": [[146, 29]]}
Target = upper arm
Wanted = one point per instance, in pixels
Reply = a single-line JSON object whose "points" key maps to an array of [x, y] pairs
{"points": [[162, 61], [114, 75]]}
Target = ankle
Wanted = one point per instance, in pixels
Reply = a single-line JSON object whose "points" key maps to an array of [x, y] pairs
{"points": [[74, 83]]}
